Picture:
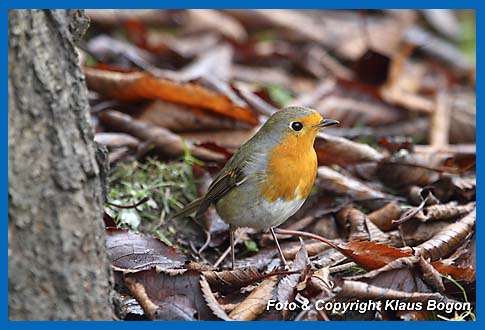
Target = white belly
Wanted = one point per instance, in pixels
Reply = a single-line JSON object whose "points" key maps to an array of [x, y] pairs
{"points": [[260, 214]]}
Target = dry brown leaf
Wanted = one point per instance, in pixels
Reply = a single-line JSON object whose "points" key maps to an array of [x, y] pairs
{"points": [[337, 183], [131, 251], [400, 274], [370, 255], [444, 211], [262, 75], [182, 118], [355, 220], [375, 234], [312, 249], [249, 95], [416, 232], [431, 275], [140, 294], [445, 267], [236, 278], [352, 111], [254, 304], [286, 288], [165, 142], [360, 290], [212, 302], [383, 217], [229, 139], [135, 86], [169, 297], [320, 283], [404, 169], [448, 239], [337, 150]]}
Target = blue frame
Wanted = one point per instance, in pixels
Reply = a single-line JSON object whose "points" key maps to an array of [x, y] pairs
{"points": [[4, 323]]}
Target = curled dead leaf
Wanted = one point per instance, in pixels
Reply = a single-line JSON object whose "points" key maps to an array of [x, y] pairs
{"points": [[448, 239], [254, 304], [236, 278], [212, 302], [337, 150], [335, 182], [383, 217], [355, 220]]}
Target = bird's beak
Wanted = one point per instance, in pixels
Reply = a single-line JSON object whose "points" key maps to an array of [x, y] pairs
{"points": [[327, 122]]}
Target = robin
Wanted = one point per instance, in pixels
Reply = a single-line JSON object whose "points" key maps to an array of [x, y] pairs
{"points": [[267, 180]]}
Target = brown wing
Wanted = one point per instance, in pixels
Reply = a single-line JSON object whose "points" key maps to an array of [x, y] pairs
{"points": [[227, 179]]}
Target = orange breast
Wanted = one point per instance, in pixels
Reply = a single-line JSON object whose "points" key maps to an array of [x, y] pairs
{"points": [[292, 168]]}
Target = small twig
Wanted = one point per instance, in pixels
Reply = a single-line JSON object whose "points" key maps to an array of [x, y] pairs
{"points": [[144, 200], [307, 234], [206, 243], [411, 214]]}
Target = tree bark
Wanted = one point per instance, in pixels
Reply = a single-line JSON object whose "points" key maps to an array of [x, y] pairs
{"points": [[57, 261]]}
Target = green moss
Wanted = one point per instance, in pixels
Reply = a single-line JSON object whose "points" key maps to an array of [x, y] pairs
{"points": [[168, 186]]}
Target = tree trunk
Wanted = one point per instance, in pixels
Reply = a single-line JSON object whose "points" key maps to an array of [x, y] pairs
{"points": [[57, 261]]}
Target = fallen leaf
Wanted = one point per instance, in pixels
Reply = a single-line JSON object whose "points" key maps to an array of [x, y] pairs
{"points": [[165, 142], [137, 86], [130, 251], [448, 239], [341, 151], [371, 255], [320, 283], [181, 118], [383, 217], [401, 274], [227, 280], [467, 274], [212, 302], [404, 169], [360, 290], [335, 182], [444, 211], [355, 220], [254, 304], [286, 288], [167, 297]]}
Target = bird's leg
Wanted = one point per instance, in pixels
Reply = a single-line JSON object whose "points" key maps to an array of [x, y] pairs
{"points": [[282, 257], [231, 235]]}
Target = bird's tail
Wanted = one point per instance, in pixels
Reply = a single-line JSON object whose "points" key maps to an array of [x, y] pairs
{"points": [[187, 209]]}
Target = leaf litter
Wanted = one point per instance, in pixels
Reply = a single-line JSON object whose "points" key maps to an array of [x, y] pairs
{"points": [[391, 218]]}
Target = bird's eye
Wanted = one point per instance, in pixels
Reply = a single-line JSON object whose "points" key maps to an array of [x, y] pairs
{"points": [[296, 126]]}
